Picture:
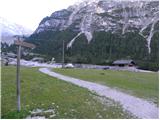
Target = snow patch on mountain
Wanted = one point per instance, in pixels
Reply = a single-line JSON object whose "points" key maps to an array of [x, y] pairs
{"points": [[116, 16], [150, 37], [72, 41], [13, 28]]}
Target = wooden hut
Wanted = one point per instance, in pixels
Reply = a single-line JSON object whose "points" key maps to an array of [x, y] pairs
{"points": [[123, 63]]}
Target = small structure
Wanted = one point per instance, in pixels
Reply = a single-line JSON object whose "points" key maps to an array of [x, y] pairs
{"points": [[4, 61], [11, 55], [38, 59], [123, 63], [52, 61], [7, 58]]}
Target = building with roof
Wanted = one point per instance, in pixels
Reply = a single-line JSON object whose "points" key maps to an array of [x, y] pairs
{"points": [[38, 59], [123, 63]]}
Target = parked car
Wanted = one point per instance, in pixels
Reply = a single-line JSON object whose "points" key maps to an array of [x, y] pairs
{"points": [[69, 65], [106, 68]]}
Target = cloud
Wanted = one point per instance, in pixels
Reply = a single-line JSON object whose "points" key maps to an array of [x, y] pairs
{"points": [[30, 12]]}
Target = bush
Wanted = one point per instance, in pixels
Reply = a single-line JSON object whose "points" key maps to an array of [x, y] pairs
{"points": [[148, 66]]}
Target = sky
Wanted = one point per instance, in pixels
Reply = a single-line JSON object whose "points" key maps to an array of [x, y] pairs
{"points": [[29, 13]]}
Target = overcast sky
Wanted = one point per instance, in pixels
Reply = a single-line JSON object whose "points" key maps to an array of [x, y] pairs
{"points": [[30, 12]]}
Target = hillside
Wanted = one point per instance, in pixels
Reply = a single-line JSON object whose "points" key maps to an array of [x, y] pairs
{"points": [[101, 31]]}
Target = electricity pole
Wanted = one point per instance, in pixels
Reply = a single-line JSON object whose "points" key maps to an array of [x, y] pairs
{"points": [[63, 55]]}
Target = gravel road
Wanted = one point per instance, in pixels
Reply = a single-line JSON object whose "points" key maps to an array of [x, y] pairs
{"points": [[137, 106]]}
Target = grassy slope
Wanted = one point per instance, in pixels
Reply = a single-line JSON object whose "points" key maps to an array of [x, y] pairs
{"points": [[41, 91], [143, 85]]}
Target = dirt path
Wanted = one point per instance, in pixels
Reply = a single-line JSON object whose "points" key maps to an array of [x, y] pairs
{"points": [[138, 107]]}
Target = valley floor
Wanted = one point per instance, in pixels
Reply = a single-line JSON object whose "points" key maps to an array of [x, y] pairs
{"points": [[138, 107], [140, 84], [43, 96]]}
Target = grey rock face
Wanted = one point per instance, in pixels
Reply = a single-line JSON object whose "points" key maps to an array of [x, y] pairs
{"points": [[116, 16]]}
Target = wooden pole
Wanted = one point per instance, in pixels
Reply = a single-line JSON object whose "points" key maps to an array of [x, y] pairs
{"points": [[63, 55], [18, 78], [20, 44]]}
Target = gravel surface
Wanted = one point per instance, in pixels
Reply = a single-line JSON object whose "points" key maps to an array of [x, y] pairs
{"points": [[138, 107]]}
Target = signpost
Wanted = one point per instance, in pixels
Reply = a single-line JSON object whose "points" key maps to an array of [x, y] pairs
{"points": [[24, 44], [20, 44]]}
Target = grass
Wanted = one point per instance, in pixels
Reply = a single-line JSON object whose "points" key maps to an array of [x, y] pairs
{"points": [[144, 85], [44, 92]]}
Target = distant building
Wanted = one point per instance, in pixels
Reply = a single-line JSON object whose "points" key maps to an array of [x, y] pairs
{"points": [[123, 63], [4, 61], [38, 59], [11, 55]]}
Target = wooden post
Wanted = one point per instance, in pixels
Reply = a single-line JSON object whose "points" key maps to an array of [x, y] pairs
{"points": [[63, 55], [18, 78], [20, 44]]}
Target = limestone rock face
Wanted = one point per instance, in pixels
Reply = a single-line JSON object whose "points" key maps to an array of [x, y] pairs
{"points": [[115, 16]]}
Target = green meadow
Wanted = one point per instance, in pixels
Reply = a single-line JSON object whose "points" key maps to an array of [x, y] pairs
{"points": [[143, 85], [40, 91]]}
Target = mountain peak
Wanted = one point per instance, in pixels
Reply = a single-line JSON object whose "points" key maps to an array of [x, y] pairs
{"points": [[9, 29], [115, 16]]}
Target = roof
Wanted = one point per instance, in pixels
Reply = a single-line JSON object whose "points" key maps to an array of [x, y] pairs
{"points": [[123, 61], [38, 58], [11, 55]]}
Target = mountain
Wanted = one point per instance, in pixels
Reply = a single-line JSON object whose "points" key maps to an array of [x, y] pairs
{"points": [[9, 29], [99, 31]]}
